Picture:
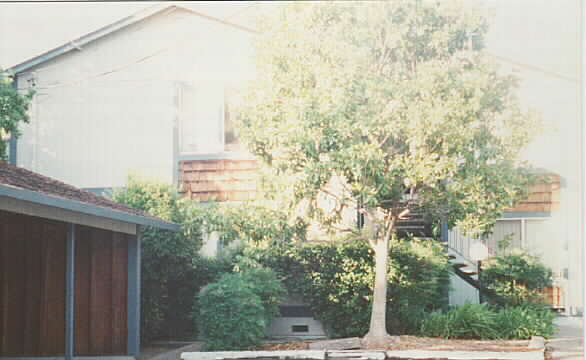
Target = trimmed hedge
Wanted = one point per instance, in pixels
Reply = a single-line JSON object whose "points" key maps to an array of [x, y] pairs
{"points": [[336, 281]]}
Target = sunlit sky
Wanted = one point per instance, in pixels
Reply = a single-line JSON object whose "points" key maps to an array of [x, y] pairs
{"points": [[539, 39]]}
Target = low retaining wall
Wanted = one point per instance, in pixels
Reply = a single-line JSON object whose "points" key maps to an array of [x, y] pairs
{"points": [[363, 355]]}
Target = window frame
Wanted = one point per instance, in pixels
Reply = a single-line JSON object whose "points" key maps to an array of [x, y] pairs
{"points": [[182, 118]]}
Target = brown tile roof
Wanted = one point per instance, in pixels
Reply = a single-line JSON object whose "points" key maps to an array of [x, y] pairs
{"points": [[23, 179]]}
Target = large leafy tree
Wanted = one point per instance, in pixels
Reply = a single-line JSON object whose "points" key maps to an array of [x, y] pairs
{"points": [[13, 109], [398, 101]]}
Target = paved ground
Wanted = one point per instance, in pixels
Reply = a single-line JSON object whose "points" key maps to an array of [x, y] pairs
{"points": [[568, 341], [168, 352]]}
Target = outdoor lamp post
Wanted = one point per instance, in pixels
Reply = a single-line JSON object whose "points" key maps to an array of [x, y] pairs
{"points": [[479, 252]]}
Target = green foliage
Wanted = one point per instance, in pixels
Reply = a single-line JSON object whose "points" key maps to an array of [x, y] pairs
{"points": [[481, 321], [236, 309], [173, 272], [232, 315], [395, 101], [264, 282], [516, 278], [255, 223], [418, 279], [169, 260], [390, 97], [336, 280], [525, 320], [13, 110], [470, 321]]}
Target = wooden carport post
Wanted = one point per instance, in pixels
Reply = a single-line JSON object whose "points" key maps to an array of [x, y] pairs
{"points": [[70, 292]]}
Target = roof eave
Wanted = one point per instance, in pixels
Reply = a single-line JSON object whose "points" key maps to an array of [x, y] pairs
{"points": [[81, 41], [84, 208], [108, 29]]}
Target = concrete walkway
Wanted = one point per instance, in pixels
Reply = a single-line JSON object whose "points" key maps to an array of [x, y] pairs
{"points": [[568, 340]]}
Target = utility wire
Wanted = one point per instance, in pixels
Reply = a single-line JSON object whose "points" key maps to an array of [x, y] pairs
{"points": [[254, 5], [535, 68], [176, 45]]}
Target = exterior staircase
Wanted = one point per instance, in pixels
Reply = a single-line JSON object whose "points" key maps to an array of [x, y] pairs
{"points": [[467, 270], [456, 245], [464, 267], [416, 225]]}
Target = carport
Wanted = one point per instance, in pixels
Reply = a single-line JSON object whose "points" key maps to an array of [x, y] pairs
{"points": [[69, 270]]}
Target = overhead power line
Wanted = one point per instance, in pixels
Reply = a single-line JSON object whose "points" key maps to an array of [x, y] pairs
{"points": [[174, 45], [535, 68]]}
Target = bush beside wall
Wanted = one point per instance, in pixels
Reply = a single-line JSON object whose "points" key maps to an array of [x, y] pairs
{"points": [[236, 310], [336, 280], [173, 272], [169, 260], [516, 278]]}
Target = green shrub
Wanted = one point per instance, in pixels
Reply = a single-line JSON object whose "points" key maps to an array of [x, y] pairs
{"points": [[168, 265], [419, 278], [264, 283], [335, 279], [236, 309], [524, 321], [470, 321], [516, 278], [482, 321], [173, 272], [232, 315]]}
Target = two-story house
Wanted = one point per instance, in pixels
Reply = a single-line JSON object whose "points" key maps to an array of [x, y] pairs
{"points": [[149, 93], [152, 93]]}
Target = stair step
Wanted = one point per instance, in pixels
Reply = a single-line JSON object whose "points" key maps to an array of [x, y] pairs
{"points": [[470, 273], [460, 265]]}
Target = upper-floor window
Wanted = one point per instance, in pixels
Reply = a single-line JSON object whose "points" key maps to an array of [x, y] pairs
{"points": [[207, 119]]}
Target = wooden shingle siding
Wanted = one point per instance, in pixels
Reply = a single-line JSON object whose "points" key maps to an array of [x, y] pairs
{"points": [[542, 197], [218, 180]]}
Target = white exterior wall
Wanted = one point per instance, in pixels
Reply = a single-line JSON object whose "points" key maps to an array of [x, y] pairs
{"points": [[210, 244], [110, 108], [461, 292], [282, 327], [538, 236]]}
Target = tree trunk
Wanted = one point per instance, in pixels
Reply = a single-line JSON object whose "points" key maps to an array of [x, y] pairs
{"points": [[377, 336]]}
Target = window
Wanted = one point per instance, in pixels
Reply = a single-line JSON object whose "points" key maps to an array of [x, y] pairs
{"points": [[506, 235], [530, 234], [207, 119]]}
